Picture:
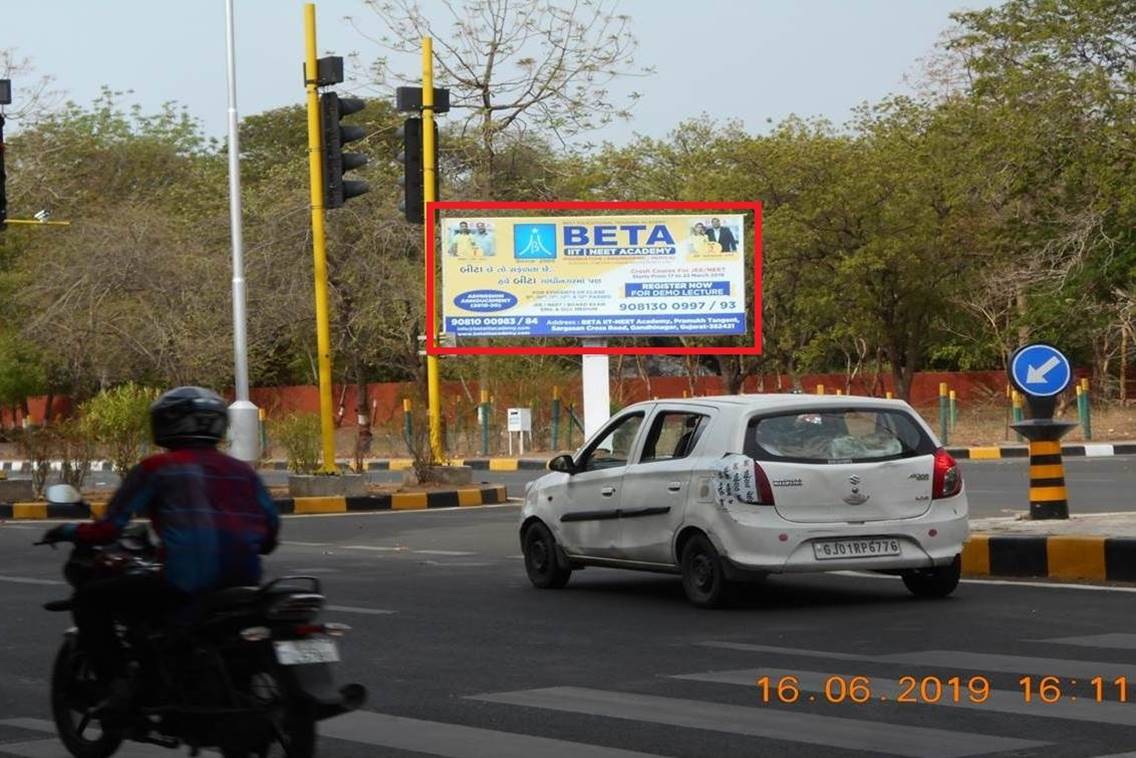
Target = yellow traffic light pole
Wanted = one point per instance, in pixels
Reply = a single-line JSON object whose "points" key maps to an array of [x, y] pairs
{"points": [[433, 383], [319, 241]]}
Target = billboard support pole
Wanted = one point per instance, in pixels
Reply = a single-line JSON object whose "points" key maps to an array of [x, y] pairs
{"points": [[597, 388], [433, 381]]}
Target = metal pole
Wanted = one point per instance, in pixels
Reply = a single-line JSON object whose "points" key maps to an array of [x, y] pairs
{"points": [[319, 242], [433, 383], [483, 413], [244, 418], [944, 414], [555, 418]]}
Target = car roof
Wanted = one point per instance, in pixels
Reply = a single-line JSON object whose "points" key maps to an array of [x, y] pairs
{"points": [[771, 401]]}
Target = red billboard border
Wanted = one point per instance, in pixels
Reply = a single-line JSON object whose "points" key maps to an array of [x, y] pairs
{"points": [[432, 209]]}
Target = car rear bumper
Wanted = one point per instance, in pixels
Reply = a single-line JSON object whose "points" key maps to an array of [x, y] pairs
{"points": [[756, 540]]}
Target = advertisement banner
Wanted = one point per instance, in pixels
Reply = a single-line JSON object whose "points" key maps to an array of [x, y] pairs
{"points": [[594, 276]]}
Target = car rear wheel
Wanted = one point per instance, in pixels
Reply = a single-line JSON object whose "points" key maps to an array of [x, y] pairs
{"points": [[703, 575], [541, 561], [939, 581]]}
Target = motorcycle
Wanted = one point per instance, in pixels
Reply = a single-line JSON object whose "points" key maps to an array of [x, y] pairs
{"points": [[246, 670]]}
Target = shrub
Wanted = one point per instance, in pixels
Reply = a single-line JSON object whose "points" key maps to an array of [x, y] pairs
{"points": [[119, 420], [299, 435], [76, 451], [38, 446]]}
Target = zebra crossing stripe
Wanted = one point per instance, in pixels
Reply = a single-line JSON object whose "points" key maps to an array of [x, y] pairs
{"points": [[457, 741], [959, 660], [52, 748], [1112, 640], [771, 723], [1003, 701], [376, 729]]}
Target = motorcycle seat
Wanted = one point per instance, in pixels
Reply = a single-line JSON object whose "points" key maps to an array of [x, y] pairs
{"points": [[228, 599]]}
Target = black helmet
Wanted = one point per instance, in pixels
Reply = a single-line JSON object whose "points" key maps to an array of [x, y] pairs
{"points": [[188, 416]]}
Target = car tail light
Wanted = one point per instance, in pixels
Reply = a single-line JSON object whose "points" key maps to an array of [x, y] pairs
{"points": [[947, 479], [764, 490]]}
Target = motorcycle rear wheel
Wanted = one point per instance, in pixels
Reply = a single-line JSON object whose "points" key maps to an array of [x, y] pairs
{"points": [[75, 691]]}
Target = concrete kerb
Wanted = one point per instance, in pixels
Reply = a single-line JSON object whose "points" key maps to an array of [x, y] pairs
{"points": [[1095, 558], [398, 501]]}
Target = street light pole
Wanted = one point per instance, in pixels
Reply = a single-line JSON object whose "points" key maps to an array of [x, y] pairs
{"points": [[244, 418]]}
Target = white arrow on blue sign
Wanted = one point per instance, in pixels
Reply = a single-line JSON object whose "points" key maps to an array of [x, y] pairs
{"points": [[1040, 370]]}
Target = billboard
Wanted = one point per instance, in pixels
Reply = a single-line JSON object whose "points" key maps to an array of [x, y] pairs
{"points": [[594, 276]]}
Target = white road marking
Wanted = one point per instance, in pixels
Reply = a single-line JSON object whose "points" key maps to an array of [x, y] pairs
{"points": [[306, 544], [31, 580], [457, 741], [1114, 640], [377, 548], [1004, 582], [51, 748], [357, 609], [874, 737], [443, 552], [957, 659], [1003, 701]]}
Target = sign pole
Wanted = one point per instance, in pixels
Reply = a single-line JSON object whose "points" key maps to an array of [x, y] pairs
{"points": [[597, 388], [319, 242], [433, 382]]}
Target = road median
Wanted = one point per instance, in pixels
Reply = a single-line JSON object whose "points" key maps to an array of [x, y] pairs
{"points": [[1098, 547], [398, 501]]}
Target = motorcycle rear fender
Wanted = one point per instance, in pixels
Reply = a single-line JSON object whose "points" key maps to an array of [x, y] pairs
{"points": [[313, 682]]}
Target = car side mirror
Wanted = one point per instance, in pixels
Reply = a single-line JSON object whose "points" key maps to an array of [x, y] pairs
{"points": [[562, 463], [63, 494]]}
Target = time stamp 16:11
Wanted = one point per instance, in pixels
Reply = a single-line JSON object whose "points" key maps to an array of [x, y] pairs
{"points": [[935, 689]]}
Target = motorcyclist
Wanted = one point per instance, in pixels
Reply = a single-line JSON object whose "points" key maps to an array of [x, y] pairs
{"points": [[213, 516]]}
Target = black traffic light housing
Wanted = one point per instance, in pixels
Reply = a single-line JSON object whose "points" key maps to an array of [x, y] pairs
{"points": [[413, 177], [336, 189]]}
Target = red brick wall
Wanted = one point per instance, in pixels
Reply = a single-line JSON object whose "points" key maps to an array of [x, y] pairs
{"points": [[970, 387]]}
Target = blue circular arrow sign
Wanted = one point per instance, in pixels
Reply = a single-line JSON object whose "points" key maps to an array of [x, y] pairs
{"points": [[1040, 370]]}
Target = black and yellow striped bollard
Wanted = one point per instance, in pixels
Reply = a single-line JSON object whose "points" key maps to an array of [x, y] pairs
{"points": [[1048, 497]]}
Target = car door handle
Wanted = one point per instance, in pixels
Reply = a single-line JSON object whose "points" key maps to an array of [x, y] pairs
{"points": [[607, 491], [674, 486]]}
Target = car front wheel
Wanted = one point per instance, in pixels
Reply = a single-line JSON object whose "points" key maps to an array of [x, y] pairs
{"points": [[703, 575], [939, 581], [541, 562]]}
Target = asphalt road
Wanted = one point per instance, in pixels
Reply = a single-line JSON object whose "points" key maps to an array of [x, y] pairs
{"points": [[994, 488], [464, 659]]}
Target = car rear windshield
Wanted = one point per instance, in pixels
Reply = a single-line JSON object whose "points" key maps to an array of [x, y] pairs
{"points": [[836, 436]]}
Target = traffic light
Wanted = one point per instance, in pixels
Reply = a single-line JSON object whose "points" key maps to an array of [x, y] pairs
{"points": [[336, 189], [411, 157], [412, 179]]}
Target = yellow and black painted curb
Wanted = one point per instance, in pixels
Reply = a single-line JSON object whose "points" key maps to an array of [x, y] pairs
{"points": [[1086, 557], [1085, 450], [405, 464], [398, 501]]}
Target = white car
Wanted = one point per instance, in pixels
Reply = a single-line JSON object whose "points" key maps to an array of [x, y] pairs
{"points": [[733, 488]]}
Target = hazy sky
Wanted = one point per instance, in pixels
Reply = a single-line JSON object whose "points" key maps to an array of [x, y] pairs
{"points": [[750, 59]]}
